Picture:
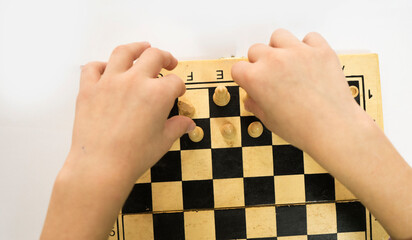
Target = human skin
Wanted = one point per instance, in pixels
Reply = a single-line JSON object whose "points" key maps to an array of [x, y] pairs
{"points": [[295, 87], [120, 130]]}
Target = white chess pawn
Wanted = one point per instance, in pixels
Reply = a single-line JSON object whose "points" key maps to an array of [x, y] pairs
{"points": [[196, 135], [354, 90], [186, 108], [221, 97], [228, 130], [255, 129]]}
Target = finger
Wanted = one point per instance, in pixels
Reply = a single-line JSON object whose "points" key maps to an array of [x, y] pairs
{"points": [[253, 107], [123, 56], [241, 73], [256, 51], [91, 73], [177, 126], [152, 61], [314, 39], [282, 38], [174, 85]]}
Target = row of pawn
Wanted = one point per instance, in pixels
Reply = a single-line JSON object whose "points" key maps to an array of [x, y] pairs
{"points": [[221, 98]]}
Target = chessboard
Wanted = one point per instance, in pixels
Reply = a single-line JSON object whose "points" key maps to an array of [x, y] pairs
{"points": [[258, 187]]}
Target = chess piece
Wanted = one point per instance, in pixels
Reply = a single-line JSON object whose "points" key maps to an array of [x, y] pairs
{"points": [[221, 97], [186, 108], [255, 129], [196, 135], [228, 130], [354, 90]]}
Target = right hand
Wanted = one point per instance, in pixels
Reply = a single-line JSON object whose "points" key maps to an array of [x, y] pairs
{"points": [[295, 87]]}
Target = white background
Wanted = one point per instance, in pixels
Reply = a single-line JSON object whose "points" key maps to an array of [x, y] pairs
{"points": [[43, 43]]}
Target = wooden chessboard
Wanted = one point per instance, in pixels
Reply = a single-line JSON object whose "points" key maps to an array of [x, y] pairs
{"points": [[248, 188]]}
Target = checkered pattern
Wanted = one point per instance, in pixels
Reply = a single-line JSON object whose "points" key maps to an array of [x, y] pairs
{"points": [[214, 173], [247, 188], [312, 221]]}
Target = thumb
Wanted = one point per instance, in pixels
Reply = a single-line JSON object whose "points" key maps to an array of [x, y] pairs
{"points": [[177, 126], [253, 107]]}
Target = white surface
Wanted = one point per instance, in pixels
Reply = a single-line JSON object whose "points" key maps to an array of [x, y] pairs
{"points": [[43, 43]]}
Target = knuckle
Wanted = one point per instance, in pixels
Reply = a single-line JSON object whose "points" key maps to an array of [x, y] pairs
{"points": [[90, 66], [120, 49], [254, 47], [258, 51], [315, 39], [171, 87], [87, 67], [142, 44], [278, 32], [178, 85], [166, 53], [176, 80], [311, 35], [154, 51]]}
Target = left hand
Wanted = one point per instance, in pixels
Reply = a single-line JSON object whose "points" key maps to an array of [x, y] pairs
{"points": [[122, 109]]}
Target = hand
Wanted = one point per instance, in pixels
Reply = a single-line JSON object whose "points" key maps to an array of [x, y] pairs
{"points": [[299, 92], [122, 109], [120, 130], [295, 86]]}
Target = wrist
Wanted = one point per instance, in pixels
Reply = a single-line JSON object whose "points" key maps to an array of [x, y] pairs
{"points": [[111, 161], [95, 171], [343, 146], [84, 202], [342, 134], [361, 157]]}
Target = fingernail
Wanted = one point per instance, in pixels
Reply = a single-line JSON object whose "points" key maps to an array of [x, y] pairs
{"points": [[191, 127]]}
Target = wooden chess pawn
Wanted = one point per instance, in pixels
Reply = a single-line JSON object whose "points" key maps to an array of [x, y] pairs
{"points": [[228, 131], [354, 90], [255, 129], [196, 135], [221, 97], [186, 108]]}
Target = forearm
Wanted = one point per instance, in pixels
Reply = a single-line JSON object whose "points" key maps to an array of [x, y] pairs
{"points": [[298, 90], [364, 160], [85, 202], [116, 137]]}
